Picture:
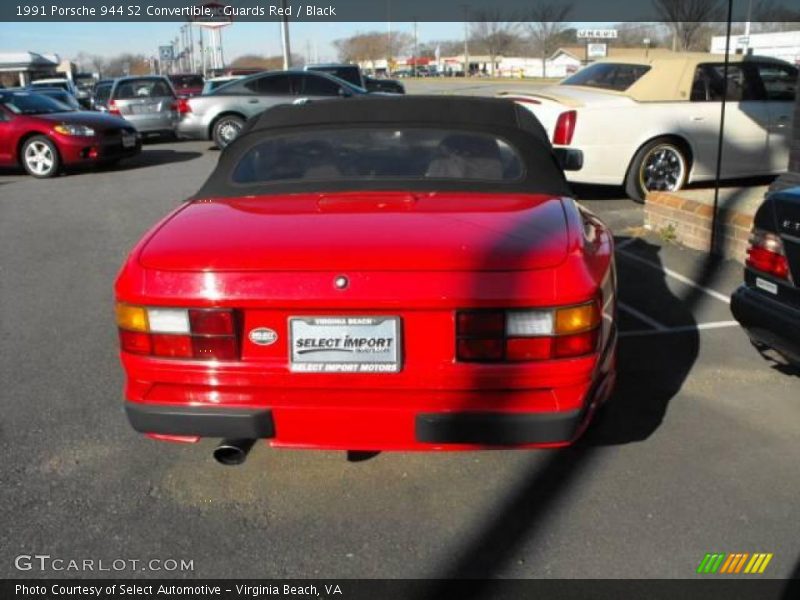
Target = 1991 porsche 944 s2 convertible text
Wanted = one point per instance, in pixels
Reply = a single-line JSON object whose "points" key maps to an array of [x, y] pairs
{"points": [[379, 274]]}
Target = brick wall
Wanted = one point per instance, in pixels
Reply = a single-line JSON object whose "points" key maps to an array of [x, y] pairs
{"points": [[689, 221]]}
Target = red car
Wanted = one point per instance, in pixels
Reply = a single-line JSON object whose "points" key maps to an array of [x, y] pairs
{"points": [[381, 274], [187, 84], [43, 135]]}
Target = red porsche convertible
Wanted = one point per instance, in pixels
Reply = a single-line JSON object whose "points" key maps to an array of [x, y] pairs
{"points": [[380, 274]]}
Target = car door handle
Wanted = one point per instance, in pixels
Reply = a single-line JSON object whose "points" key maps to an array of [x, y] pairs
{"points": [[698, 118], [253, 101], [301, 101]]}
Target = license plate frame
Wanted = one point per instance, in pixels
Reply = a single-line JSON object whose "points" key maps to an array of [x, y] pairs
{"points": [[366, 344]]}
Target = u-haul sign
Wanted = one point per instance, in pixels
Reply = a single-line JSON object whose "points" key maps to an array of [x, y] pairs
{"points": [[597, 34]]}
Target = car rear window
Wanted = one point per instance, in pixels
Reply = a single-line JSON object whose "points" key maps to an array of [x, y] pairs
{"points": [[379, 153], [184, 81], [142, 88], [608, 76]]}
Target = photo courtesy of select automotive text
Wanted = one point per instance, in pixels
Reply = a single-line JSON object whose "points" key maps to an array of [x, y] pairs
{"points": [[399, 299]]}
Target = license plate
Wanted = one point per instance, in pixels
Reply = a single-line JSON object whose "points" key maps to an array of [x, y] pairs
{"points": [[128, 140], [345, 344], [143, 109]]}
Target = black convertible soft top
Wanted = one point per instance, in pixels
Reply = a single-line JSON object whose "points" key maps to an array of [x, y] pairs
{"points": [[498, 117]]}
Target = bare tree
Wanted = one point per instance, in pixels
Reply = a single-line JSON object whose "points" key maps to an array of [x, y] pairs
{"points": [[372, 46], [688, 19], [546, 26], [497, 36]]}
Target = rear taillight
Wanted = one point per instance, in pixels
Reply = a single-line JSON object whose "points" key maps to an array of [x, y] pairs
{"points": [[114, 109], [766, 255], [182, 106], [565, 128], [527, 335], [205, 334]]}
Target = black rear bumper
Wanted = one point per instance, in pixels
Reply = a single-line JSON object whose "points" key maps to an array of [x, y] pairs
{"points": [[498, 429], [240, 423], [768, 321]]}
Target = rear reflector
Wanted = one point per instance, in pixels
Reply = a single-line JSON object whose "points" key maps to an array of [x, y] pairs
{"points": [[173, 346], [533, 348], [214, 348], [565, 128], [135, 342], [575, 345], [480, 349], [766, 255]]}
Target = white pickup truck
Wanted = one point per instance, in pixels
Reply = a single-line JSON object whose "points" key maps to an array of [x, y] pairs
{"points": [[652, 123]]}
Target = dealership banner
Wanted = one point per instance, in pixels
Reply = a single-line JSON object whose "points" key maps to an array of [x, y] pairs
{"points": [[357, 10], [398, 589]]}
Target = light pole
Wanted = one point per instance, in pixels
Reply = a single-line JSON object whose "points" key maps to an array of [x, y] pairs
{"points": [[287, 51], [466, 37]]}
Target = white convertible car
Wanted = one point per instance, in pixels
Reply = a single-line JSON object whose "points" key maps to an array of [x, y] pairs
{"points": [[652, 123]]}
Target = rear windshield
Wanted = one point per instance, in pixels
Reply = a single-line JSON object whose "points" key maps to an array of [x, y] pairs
{"points": [[379, 153], [142, 88], [608, 76], [53, 84], [349, 74], [23, 103], [101, 92], [183, 81]]}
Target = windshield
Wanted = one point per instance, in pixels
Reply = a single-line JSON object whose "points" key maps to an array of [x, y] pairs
{"points": [[23, 103], [142, 88], [380, 153], [68, 100], [608, 76]]}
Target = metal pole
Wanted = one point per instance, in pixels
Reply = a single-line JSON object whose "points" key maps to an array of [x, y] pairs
{"points": [[221, 51], [191, 49], [389, 36], [287, 50], [466, 37], [202, 53], [416, 48], [713, 249]]}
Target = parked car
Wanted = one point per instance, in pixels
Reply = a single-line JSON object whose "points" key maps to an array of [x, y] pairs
{"points": [[101, 95], [148, 103], [220, 115], [59, 95], [353, 74], [768, 303], [55, 82], [187, 84], [378, 274], [653, 123], [44, 136], [215, 82]]}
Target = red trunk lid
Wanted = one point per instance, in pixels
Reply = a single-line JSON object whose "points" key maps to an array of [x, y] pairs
{"points": [[365, 231]]}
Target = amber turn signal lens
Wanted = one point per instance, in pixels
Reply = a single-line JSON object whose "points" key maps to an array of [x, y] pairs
{"points": [[131, 318], [576, 319]]}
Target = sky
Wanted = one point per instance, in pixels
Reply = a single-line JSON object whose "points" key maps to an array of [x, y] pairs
{"points": [[67, 39]]}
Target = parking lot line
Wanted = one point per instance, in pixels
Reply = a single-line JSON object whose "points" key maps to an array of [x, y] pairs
{"points": [[675, 275], [642, 317], [680, 329]]}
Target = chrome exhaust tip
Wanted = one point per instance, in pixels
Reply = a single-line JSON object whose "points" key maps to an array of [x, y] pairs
{"points": [[233, 452]]}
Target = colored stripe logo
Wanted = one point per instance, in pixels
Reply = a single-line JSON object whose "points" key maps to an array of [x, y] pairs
{"points": [[734, 563]]}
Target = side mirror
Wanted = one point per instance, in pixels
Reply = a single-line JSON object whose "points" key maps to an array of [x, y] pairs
{"points": [[569, 159], [345, 93]]}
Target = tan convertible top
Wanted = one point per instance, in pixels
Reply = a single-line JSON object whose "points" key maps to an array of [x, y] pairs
{"points": [[672, 73]]}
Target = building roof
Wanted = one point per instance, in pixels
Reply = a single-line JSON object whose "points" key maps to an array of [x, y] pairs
{"points": [[579, 52], [26, 60]]}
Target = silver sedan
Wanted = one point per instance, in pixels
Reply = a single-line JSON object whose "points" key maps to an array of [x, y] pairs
{"points": [[220, 115]]}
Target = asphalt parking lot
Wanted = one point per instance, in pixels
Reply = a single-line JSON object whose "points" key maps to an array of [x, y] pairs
{"points": [[697, 453]]}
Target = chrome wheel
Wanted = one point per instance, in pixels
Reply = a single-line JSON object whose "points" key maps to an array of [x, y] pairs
{"points": [[663, 169], [39, 158], [228, 130]]}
